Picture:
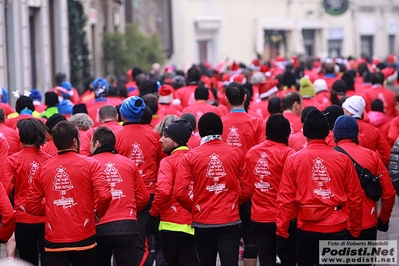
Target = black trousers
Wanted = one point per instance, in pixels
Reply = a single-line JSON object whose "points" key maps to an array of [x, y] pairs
{"points": [[145, 241], [29, 239], [178, 249], [210, 241], [123, 247], [248, 236], [265, 236], [308, 245], [71, 258]]}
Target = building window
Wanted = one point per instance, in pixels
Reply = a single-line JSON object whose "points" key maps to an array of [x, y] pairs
{"points": [[391, 43], [366, 45], [334, 48], [308, 41], [203, 51], [275, 43]]}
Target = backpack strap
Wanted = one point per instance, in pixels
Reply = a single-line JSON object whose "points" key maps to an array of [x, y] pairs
{"points": [[339, 149]]}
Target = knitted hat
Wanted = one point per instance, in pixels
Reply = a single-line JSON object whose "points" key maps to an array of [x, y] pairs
{"points": [[132, 108], [4, 93], [332, 112], [346, 127], [274, 106], [305, 112], [100, 87], [340, 86], [191, 119], [320, 85], [315, 125], [267, 88], [278, 128], [210, 124], [178, 81], [306, 88], [377, 105], [65, 89], [35, 95], [355, 105], [201, 93], [79, 108], [165, 93], [54, 120], [24, 102], [50, 99], [179, 131]]}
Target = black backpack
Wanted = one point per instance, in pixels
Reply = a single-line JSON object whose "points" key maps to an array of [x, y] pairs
{"points": [[370, 183]]}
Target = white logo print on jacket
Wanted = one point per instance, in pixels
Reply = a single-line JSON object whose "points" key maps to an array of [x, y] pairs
{"points": [[113, 178], [216, 172], [262, 170], [233, 138], [63, 184], [320, 175]]}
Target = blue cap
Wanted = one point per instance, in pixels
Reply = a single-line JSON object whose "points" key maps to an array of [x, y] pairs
{"points": [[346, 127], [100, 87], [35, 95], [132, 109]]}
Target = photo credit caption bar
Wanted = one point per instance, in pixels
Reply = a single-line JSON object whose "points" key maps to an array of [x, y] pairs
{"points": [[358, 251]]}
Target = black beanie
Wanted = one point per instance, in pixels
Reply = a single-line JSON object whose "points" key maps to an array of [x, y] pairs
{"points": [[201, 93], [179, 131], [274, 106], [210, 124], [24, 102], [332, 112], [50, 99], [315, 125], [377, 105], [278, 128], [191, 119], [340, 86], [54, 120], [289, 79], [79, 108], [305, 111]]}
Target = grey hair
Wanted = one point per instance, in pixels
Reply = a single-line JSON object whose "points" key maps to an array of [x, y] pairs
{"points": [[82, 121]]}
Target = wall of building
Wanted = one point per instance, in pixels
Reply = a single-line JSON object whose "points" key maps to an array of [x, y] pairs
{"points": [[234, 29]]}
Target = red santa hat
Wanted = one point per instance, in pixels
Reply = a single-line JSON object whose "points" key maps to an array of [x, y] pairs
{"points": [[264, 69], [280, 61], [165, 93], [226, 79], [267, 88], [390, 74], [391, 59], [255, 65], [240, 78], [235, 68]]}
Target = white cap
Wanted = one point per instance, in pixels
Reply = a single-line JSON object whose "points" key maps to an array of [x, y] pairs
{"points": [[355, 105], [320, 85]]}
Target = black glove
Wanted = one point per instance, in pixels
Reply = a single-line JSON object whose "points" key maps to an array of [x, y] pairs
{"points": [[152, 224], [381, 226], [282, 249]]}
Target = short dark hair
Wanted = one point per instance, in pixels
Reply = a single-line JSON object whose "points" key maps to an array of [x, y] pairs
{"points": [[193, 75], [63, 134], [146, 118], [107, 111], [2, 115], [235, 93], [377, 78], [32, 131], [289, 99], [104, 136], [151, 101]]}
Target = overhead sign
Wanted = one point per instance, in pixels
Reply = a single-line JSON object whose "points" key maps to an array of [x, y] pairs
{"points": [[336, 7]]}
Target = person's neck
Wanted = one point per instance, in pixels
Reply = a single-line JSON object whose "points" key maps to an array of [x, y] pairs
{"points": [[237, 107]]}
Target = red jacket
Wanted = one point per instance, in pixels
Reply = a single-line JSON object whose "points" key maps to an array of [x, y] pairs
{"points": [[370, 160], [316, 180], [7, 109], [93, 109], [164, 203], [242, 130], [220, 183], [20, 171], [385, 95], [372, 139], [265, 164], [259, 109], [12, 137], [295, 122], [70, 183], [50, 148], [129, 195], [393, 132], [86, 138], [7, 216], [140, 144], [323, 98], [201, 107], [12, 122], [186, 95]]}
